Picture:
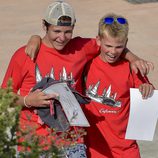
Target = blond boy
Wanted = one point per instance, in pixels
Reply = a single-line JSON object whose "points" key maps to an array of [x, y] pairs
{"points": [[109, 79]]}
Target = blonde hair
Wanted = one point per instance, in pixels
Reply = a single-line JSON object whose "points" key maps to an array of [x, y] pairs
{"points": [[114, 29]]}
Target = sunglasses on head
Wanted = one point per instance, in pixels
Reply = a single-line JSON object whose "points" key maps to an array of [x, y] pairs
{"points": [[110, 20]]}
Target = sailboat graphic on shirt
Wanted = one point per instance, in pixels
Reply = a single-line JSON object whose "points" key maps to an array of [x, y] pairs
{"points": [[105, 98]]}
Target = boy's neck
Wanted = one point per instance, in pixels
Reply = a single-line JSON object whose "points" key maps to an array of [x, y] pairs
{"points": [[46, 42]]}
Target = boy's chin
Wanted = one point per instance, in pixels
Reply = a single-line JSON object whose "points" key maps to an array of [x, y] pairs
{"points": [[111, 61]]}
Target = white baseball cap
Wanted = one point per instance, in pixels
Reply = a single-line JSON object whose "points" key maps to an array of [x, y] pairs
{"points": [[58, 9]]}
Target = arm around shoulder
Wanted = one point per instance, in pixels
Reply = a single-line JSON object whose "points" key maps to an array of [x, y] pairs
{"points": [[138, 64], [33, 46]]}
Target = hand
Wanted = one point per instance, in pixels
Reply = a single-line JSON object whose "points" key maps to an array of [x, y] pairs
{"points": [[33, 46], [142, 65], [40, 99], [146, 90]]}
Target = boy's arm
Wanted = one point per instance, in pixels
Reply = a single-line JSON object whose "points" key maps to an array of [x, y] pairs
{"points": [[14, 72], [143, 84], [33, 46], [138, 64], [36, 99]]}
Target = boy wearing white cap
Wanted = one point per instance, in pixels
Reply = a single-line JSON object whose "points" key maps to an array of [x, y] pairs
{"points": [[57, 51]]}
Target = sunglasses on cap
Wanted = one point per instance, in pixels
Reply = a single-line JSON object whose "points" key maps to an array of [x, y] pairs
{"points": [[110, 20]]}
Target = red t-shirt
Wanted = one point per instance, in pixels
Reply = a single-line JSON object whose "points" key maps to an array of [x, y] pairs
{"points": [[105, 138], [22, 71]]}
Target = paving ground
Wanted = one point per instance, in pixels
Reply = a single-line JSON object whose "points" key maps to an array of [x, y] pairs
{"points": [[20, 19]]}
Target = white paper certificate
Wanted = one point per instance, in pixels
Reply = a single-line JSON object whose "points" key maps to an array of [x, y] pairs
{"points": [[143, 116], [69, 103]]}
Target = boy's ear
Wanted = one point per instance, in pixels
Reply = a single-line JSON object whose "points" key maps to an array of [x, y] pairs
{"points": [[43, 25], [98, 40], [126, 42]]}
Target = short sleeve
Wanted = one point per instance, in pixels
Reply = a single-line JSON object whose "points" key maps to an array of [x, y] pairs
{"points": [[14, 70], [91, 49], [139, 79]]}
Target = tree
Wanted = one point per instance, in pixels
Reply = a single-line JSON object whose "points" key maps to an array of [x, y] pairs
{"points": [[9, 119]]}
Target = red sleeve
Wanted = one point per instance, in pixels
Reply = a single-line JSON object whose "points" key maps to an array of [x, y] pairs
{"points": [[91, 49], [138, 79], [15, 69], [87, 46]]}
